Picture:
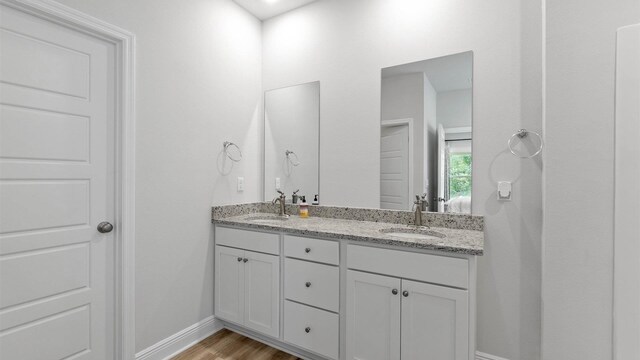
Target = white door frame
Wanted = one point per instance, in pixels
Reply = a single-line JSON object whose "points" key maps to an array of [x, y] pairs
{"points": [[124, 234], [626, 286], [409, 123]]}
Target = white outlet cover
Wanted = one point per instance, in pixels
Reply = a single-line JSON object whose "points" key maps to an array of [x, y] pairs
{"points": [[240, 184], [504, 190]]}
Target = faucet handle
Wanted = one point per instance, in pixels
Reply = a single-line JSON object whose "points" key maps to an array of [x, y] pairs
{"points": [[280, 192], [295, 192]]}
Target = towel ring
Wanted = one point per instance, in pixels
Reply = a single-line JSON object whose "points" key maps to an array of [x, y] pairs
{"points": [[521, 134], [295, 162], [227, 145]]}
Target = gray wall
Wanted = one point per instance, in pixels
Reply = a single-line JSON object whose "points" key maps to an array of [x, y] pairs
{"points": [[578, 175], [454, 108], [198, 84], [345, 44], [403, 96]]}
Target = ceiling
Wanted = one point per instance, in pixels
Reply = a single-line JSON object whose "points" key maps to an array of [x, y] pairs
{"points": [[264, 9], [447, 73]]}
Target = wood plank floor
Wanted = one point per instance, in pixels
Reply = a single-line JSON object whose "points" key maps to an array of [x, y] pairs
{"points": [[227, 345]]}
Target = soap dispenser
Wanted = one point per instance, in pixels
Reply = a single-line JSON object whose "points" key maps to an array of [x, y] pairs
{"points": [[304, 207], [315, 200]]}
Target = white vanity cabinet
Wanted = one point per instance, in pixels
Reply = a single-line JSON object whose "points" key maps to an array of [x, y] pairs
{"points": [[390, 317], [383, 303], [247, 283]]}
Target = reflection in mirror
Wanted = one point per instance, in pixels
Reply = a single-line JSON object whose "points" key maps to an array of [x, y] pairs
{"points": [[425, 134], [291, 140]]}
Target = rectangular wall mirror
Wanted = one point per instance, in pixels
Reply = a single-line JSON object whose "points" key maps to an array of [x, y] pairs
{"points": [[426, 134], [291, 141]]}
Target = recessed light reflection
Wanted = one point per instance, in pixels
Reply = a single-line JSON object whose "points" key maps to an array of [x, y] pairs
{"points": [[270, 1]]}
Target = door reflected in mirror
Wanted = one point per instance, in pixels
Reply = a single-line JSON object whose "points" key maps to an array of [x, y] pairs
{"points": [[291, 141], [426, 134]]}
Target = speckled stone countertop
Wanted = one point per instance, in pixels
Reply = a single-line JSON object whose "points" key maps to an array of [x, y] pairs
{"points": [[460, 240]]}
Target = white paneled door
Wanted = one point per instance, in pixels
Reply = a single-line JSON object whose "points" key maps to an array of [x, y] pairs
{"points": [[394, 167], [56, 186]]}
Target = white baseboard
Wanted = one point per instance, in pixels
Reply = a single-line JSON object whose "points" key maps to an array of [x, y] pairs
{"points": [[484, 356], [180, 341]]}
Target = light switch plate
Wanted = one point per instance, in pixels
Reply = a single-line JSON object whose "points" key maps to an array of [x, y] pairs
{"points": [[240, 184], [505, 190], [277, 183]]}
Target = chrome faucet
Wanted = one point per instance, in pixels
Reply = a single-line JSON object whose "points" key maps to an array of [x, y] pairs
{"points": [[281, 199], [419, 205]]}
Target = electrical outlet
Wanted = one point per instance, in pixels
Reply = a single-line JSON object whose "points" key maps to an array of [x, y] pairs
{"points": [[505, 190], [240, 184], [277, 183]]}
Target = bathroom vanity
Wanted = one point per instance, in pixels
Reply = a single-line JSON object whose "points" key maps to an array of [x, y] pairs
{"points": [[338, 287]]}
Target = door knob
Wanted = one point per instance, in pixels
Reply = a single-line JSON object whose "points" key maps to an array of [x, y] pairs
{"points": [[307, 330], [307, 284], [105, 227], [307, 250], [394, 291], [245, 259], [405, 293], [239, 259]]}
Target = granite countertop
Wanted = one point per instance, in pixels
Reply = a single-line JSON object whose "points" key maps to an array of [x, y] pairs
{"points": [[461, 241]]}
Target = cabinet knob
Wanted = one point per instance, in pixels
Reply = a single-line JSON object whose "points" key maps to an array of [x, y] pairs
{"points": [[245, 259], [405, 293], [307, 284], [307, 250], [239, 259], [394, 291], [307, 329]]}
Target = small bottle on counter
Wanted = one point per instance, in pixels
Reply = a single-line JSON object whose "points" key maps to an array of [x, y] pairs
{"points": [[304, 207], [315, 200]]}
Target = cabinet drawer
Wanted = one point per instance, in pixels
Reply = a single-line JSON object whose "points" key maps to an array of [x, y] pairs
{"points": [[322, 326], [409, 265], [323, 251], [313, 284], [250, 240]]}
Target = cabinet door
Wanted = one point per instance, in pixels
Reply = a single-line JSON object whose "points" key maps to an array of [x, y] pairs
{"points": [[373, 317], [435, 321], [262, 293], [229, 286]]}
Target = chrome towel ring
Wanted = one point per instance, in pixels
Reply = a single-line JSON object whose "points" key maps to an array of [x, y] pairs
{"points": [[227, 145], [290, 155], [521, 134]]}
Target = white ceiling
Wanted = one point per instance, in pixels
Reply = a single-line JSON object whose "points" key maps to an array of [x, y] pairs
{"points": [[447, 73], [264, 9]]}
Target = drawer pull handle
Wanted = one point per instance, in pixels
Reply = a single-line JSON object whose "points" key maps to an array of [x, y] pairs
{"points": [[307, 329], [245, 259], [307, 250], [394, 291], [239, 259], [307, 284], [405, 293]]}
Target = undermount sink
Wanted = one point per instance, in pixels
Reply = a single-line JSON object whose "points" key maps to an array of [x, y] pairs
{"points": [[266, 218], [414, 234]]}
